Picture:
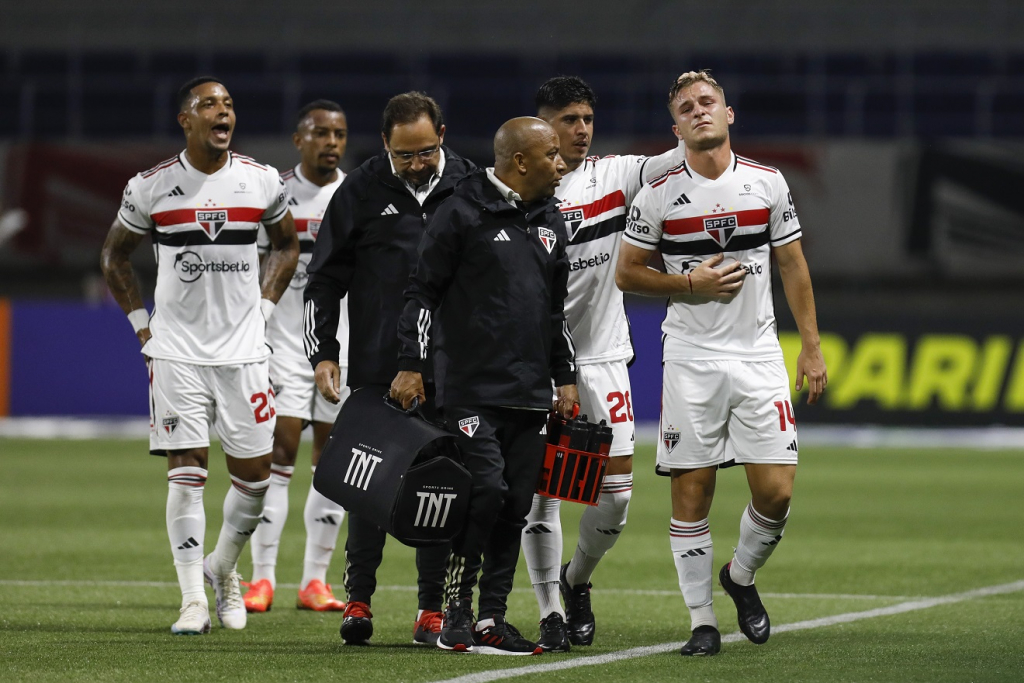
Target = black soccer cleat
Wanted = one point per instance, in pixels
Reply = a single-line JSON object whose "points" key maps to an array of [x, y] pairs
{"points": [[356, 627], [554, 634], [502, 638], [704, 642], [750, 613], [457, 629], [578, 614]]}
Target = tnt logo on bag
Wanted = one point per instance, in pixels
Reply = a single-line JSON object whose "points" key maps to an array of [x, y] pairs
{"points": [[433, 509], [360, 468]]}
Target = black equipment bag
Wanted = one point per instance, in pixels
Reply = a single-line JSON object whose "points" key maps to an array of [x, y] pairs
{"points": [[395, 468]]}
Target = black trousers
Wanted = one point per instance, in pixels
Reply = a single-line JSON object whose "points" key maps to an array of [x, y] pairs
{"points": [[503, 449], [364, 550]]}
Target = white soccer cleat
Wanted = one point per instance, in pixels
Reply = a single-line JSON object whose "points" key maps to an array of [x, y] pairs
{"points": [[194, 620], [230, 604]]}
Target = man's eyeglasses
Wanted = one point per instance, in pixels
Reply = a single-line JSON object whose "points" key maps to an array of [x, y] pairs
{"points": [[422, 154]]}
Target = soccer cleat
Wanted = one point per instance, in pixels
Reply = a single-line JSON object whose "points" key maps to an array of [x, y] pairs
{"points": [[578, 614], [259, 597], [318, 597], [356, 627], [194, 620], [750, 613], [704, 642], [230, 605], [457, 628], [428, 627], [554, 634], [502, 638]]}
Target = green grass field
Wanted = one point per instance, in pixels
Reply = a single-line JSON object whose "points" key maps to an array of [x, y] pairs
{"points": [[88, 592]]}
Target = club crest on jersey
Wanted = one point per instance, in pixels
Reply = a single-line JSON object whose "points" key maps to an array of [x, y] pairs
{"points": [[547, 238], [670, 437], [469, 425], [720, 228], [313, 228], [212, 221], [573, 220], [170, 423]]}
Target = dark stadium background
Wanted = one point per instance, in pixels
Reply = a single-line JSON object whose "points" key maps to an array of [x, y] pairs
{"points": [[898, 125]]}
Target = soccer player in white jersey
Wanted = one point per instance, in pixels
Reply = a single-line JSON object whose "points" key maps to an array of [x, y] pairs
{"points": [[725, 390], [204, 341], [321, 136], [593, 195]]}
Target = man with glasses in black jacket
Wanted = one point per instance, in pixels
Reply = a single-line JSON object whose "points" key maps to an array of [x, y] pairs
{"points": [[366, 249]]}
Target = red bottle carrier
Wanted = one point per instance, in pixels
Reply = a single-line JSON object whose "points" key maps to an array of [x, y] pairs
{"points": [[575, 460]]}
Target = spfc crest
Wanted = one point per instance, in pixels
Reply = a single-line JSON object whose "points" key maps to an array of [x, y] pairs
{"points": [[573, 220], [169, 423], [547, 238], [313, 228], [469, 425], [212, 222], [720, 228], [670, 437]]}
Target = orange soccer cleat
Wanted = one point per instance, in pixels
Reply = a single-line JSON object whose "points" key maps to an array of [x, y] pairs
{"points": [[259, 597], [318, 597]]}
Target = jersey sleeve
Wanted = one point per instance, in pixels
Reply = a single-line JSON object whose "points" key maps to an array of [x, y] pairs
{"points": [[657, 165], [277, 197], [134, 213], [784, 225], [644, 223]]}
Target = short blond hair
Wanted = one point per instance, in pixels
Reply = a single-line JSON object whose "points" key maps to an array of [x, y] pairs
{"points": [[689, 78]]}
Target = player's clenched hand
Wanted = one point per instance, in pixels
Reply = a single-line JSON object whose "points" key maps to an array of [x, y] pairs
{"points": [[328, 380], [566, 399], [709, 280], [811, 364], [406, 387]]}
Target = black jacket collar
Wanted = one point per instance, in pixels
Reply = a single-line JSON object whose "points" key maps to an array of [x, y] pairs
{"points": [[478, 189], [455, 167]]}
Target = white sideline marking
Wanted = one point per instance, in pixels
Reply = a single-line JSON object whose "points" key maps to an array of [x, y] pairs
{"points": [[634, 653], [411, 589]]}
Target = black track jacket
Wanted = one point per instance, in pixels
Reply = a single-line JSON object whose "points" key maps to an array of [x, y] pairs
{"points": [[496, 275], [366, 248]]}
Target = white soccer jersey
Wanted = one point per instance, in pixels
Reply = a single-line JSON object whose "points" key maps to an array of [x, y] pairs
{"points": [[308, 204], [593, 200], [688, 218], [204, 234]]}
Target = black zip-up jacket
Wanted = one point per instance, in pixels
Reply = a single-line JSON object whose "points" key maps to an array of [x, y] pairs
{"points": [[496, 275], [366, 248]]}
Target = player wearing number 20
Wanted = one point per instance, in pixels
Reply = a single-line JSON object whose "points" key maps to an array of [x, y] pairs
{"points": [[726, 394]]}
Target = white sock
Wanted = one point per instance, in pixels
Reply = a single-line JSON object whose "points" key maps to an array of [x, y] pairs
{"points": [[542, 548], [242, 509], [759, 537], [323, 518], [600, 527], [186, 529], [267, 537], [691, 550]]}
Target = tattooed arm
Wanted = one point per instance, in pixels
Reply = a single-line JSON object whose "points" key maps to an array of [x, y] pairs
{"points": [[120, 276]]}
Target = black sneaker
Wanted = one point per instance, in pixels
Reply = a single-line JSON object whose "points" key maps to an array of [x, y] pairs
{"points": [[554, 634], [356, 627], [457, 629], [578, 615], [502, 638], [750, 613], [704, 642]]}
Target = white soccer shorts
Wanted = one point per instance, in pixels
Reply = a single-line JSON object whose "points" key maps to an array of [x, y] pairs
{"points": [[714, 411], [184, 400], [604, 395], [296, 393]]}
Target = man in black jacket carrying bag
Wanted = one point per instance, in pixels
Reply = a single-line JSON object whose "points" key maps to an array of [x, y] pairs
{"points": [[492, 268], [366, 248]]}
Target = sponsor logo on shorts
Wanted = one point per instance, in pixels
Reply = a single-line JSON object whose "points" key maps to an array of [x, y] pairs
{"points": [[670, 437], [190, 266], [170, 423], [592, 262], [469, 425]]}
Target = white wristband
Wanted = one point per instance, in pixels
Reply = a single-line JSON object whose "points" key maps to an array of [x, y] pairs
{"points": [[267, 306], [139, 319]]}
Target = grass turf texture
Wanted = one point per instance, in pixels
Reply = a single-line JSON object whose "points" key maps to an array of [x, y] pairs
{"points": [[865, 523]]}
